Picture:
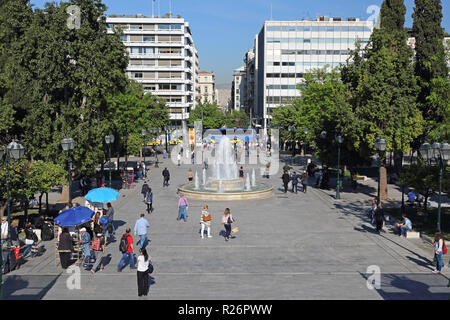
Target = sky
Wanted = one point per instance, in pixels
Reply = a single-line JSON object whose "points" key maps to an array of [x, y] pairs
{"points": [[223, 31]]}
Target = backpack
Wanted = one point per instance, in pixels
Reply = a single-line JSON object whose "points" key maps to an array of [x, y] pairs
{"points": [[123, 246], [444, 249], [95, 244], [35, 238]]}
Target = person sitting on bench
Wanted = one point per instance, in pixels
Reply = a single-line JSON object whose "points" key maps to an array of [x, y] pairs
{"points": [[405, 226], [411, 197]]}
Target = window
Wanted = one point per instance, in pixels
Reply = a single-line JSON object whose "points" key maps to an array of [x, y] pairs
{"points": [[164, 75], [137, 75], [163, 26], [135, 26], [149, 27], [123, 37], [176, 26], [149, 38], [163, 39], [164, 63], [151, 63], [149, 75], [135, 50], [136, 38], [150, 87]]}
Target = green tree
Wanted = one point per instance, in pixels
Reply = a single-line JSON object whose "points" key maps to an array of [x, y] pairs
{"points": [[430, 59], [43, 176], [237, 119], [213, 116]]}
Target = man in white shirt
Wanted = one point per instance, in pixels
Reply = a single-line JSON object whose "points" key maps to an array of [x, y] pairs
{"points": [[5, 230]]}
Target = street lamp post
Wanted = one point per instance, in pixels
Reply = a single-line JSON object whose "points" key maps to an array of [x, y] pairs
{"points": [[144, 134], [68, 144], [109, 140], [125, 138], [380, 144], [16, 151], [339, 140], [437, 153], [293, 130]]}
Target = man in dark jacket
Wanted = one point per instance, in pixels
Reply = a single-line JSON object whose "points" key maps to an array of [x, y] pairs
{"points": [[144, 189], [379, 217], [294, 179], [166, 176], [65, 248], [286, 180]]}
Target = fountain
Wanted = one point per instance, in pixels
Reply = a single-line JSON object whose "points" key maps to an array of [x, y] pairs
{"points": [[197, 187], [224, 183], [253, 178]]}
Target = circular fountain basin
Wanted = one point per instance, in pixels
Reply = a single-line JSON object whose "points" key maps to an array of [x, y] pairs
{"points": [[260, 191], [227, 185]]}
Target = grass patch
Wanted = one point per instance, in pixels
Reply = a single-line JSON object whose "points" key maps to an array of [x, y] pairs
{"points": [[423, 222]]}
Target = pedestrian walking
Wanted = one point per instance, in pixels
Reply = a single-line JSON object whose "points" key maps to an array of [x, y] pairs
{"points": [[183, 206], [294, 179], [144, 189], [85, 244], [241, 173], [110, 215], [98, 249], [286, 180], [227, 221], [438, 251], [379, 218], [105, 222], [304, 182], [140, 229], [205, 222], [65, 248], [143, 264], [149, 200], [166, 175], [190, 175], [127, 248]]}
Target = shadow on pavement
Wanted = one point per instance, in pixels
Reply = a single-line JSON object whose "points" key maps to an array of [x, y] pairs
{"points": [[412, 286], [33, 287]]}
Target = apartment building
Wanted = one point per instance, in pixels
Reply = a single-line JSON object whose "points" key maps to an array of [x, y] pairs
{"points": [[238, 89], [285, 50], [249, 99], [207, 86], [163, 58]]}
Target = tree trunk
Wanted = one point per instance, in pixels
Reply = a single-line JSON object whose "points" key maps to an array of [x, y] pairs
{"points": [[46, 203], [398, 161], [40, 203], [25, 208]]}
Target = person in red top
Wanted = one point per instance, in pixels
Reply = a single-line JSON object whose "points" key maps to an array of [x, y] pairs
{"points": [[128, 254]]}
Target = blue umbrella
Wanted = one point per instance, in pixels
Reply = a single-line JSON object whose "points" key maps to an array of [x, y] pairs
{"points": [[102, 195], [74, 216]]}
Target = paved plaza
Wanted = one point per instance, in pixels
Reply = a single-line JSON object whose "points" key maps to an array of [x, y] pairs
{"points": [[292, 246]]}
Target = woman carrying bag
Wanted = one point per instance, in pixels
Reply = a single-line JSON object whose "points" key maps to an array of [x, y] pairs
{"points": [[205, 222], [144, 268], [227, 221]]}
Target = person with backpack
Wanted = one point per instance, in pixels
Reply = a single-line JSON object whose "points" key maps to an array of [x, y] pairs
{"points": [[127, 248], [149, 200], [166, 175], [110, 215], [98, 248], [143, 265], [439, 250]]}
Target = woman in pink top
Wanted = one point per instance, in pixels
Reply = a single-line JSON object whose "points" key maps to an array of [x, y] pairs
{"points": [[183, 205], [227, 220]]}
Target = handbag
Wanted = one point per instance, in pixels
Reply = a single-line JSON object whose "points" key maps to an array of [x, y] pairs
{"points": [[235, 230], [150, 268]]}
